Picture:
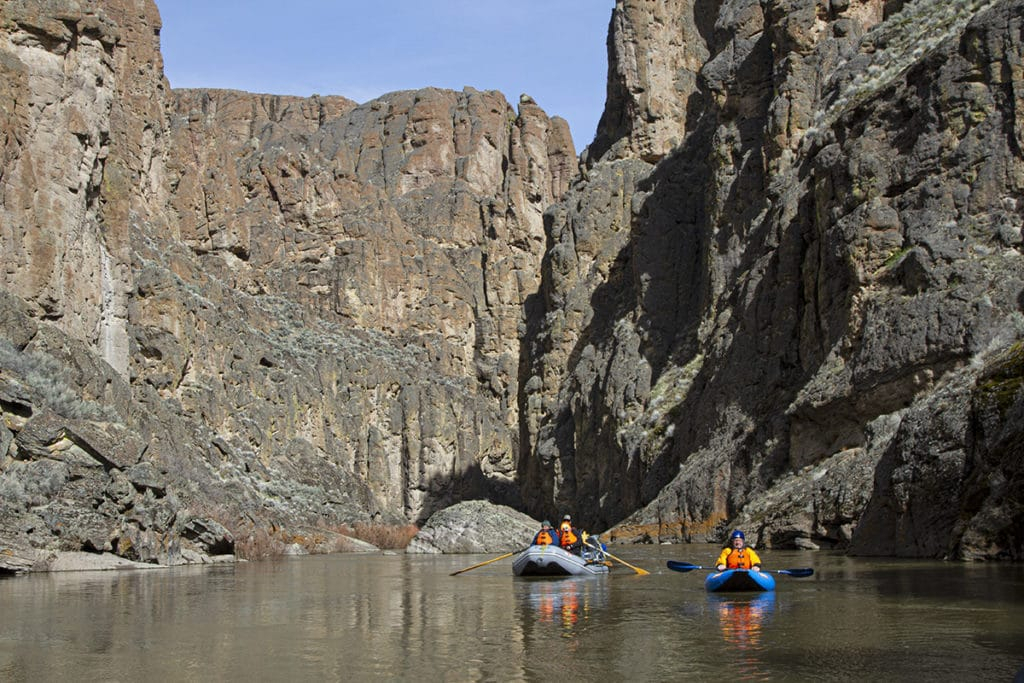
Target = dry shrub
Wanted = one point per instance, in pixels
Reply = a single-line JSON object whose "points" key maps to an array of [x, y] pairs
{"points": [[256, 544], [320, 540], [251, 542], [384, 536]]}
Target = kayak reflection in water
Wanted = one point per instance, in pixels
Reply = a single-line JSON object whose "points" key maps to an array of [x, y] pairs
{"points": [[742, 621], [742, 618]]}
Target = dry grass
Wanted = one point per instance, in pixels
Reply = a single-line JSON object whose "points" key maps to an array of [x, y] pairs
{"points": [[253, 542], [890, 48], [258, 544], [53, 385], [384, 536]]}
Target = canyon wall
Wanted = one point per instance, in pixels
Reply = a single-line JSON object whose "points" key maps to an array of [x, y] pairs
{"points": [[781, 288], [789, 294], [298, 313]]}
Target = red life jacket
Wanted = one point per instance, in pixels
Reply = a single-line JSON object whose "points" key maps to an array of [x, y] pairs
{"points": [[738, 559], [544, 538]]}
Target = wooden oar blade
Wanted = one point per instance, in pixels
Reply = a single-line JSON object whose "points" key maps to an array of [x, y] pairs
{"points": [[682, 566], [459, 571]]}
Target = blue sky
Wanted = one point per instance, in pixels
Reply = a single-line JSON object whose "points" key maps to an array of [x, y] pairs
{"points": [[552, 50]]}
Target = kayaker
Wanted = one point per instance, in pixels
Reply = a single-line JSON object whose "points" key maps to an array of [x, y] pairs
{"points": [[547, 535], [570, 536], [737, 555]]}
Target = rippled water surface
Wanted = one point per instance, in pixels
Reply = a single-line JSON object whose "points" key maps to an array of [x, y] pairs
{"points": [[403, 617]]}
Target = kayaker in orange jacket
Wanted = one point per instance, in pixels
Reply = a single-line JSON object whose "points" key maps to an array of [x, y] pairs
{"points": [[737, 555]]}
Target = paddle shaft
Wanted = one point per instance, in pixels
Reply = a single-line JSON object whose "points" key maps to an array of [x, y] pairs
{"points": [[500, 557], [687, 567], [638, 570]]}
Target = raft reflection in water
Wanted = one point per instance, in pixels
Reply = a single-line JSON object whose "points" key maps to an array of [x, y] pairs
{"points": [[568, 601], [741, 618]]}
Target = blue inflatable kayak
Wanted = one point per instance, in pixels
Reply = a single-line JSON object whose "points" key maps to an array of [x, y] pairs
{"points": [[739, 580]]}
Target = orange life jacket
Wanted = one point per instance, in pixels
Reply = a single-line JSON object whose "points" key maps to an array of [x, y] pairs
{"points": [[568, 537], [738, 559], [544, 538]]}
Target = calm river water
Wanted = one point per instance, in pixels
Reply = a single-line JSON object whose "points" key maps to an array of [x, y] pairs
{"points": [[403, 617]]}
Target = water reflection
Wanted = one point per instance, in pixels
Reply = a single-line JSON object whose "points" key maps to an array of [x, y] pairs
{"points": [[565, 602], [742, 618], [381, 617]]}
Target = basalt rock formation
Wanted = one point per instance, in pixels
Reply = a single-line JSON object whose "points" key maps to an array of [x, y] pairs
{"points": [[789, 294], [781, 288]]}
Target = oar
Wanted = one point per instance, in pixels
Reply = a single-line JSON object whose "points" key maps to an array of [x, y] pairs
{"points": [[640, 572], [687, 567], [683, 566], [796, 572], [500, 557]]}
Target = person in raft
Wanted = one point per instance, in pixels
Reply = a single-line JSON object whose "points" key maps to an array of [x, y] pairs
{"points": [[737, 555], [570, 536], [546, 535]]}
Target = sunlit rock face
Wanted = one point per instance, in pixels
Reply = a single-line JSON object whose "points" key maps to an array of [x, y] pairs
{"points": [[784, 316], [299, 312], [393, 245], [69, 121]]}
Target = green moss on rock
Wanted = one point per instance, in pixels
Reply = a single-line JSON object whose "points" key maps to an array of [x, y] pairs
{"points": [[1001, 383]]}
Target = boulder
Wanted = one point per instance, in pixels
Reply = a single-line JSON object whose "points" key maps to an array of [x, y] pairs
{"points": [[474, 526]]}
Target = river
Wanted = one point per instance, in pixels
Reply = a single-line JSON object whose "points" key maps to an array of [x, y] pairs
{"points": [[386, 617]]}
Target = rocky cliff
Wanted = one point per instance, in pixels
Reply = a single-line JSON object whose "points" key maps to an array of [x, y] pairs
{"points": [[287, 315], [789, 294], [782, 289]]}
